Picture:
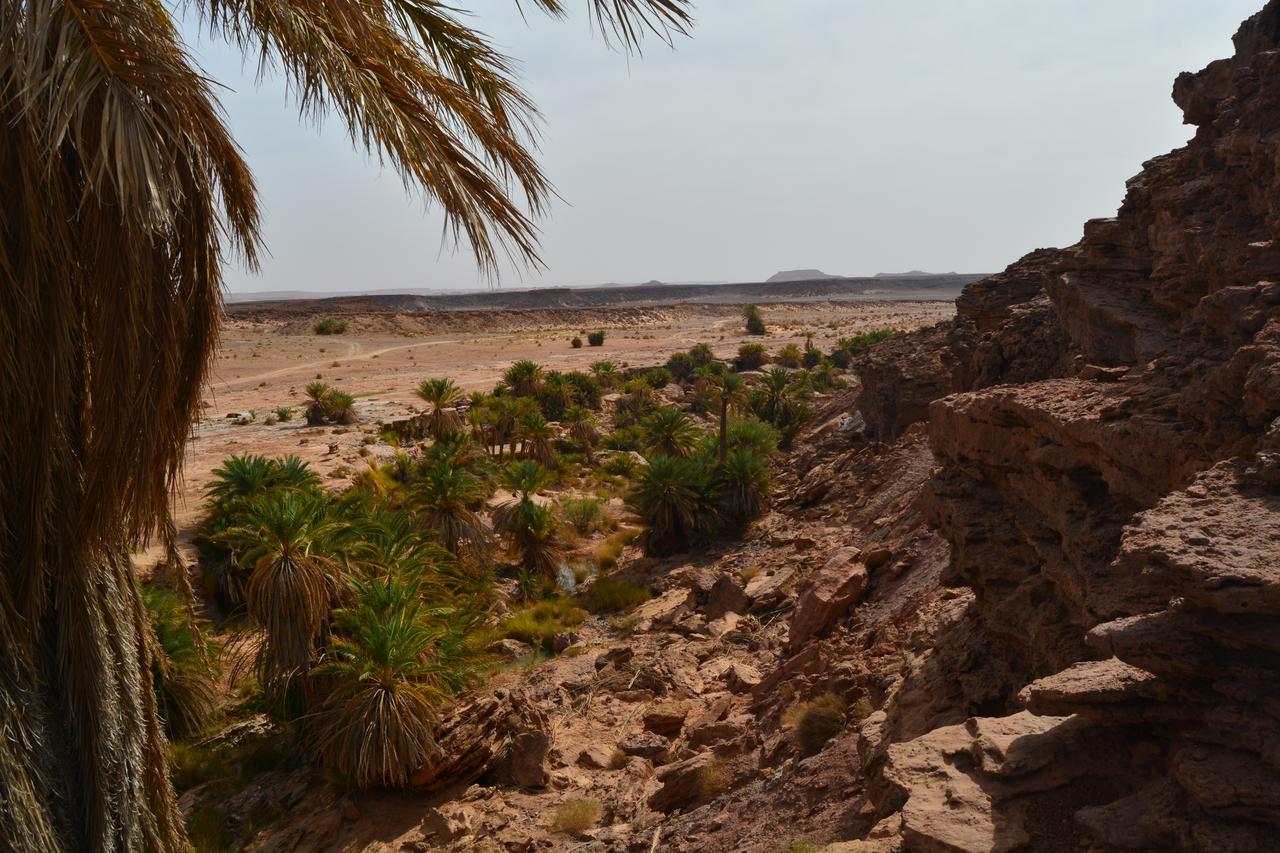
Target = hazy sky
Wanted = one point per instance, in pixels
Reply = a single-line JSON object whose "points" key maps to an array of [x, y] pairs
{"points": [[855, 136]]}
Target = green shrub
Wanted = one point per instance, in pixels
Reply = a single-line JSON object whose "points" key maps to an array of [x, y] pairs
{"points": [[614, 594], [681, 366], [789, 356], [754, 319], [659, 377], [751, 357], [576, 343], [628, 438], [327, 405], [596, 339], [538, 625], [329, 326], [585, 514], [284, 413]]}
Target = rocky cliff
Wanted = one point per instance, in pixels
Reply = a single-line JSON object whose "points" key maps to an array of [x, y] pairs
{"points": [[1106, 424]]}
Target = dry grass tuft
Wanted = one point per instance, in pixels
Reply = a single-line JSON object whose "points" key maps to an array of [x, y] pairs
{"points": [[715, 777], [816, 722], [576, 816]]}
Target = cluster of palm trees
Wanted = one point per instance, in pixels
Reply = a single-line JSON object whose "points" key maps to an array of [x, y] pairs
{"points": [[364, 623], [372, 608]]}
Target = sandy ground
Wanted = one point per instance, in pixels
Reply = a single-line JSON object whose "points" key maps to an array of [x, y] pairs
{"points": [[262, 365]]}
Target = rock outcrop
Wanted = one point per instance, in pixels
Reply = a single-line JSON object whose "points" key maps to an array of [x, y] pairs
{"points": [[1106, 419]]}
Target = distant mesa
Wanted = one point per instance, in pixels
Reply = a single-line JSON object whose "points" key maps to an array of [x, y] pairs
{"points": [[800, 275]]}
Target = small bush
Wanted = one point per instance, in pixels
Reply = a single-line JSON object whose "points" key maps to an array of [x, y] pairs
{"points": [[620, 464], [817, 722], [538, 625], [330, 326], [596, 339], [613, 594], [576, 343], [754, 320], [584, 514], [789, 356], [607, 553], [574, 817], [284, 413], [751, 357]]}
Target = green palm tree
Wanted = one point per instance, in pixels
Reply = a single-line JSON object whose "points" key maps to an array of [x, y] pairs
{"points": [[526, 477], [447, 497], [743, 484], [441, 395], [536, 436], [606, 373], [669, 432], [674, 497], [124, 194], [533, 539], [524, 378], [729, 392], [291, 546], [582, 430], [777, 394], [391, 666]]}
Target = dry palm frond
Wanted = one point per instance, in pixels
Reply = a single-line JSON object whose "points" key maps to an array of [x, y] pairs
{"points": [[627, 20]]}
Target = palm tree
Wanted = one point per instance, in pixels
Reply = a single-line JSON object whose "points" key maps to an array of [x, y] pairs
{"points": [[442, 395], [776, 386], [447, 496], [526, 477], [729, 391], [673, 496], [606, 373], [535, 439], [669, 432], [743, 485], [582, 430], [533, 538], [524, 378], [392, 665], [291, 545], [124, 192]]}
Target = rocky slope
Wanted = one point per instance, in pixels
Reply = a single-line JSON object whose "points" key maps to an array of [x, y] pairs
{"points": [[1106, 421]]}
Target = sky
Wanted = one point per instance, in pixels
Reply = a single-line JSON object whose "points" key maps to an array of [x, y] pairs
{"points": [[852, 136]]}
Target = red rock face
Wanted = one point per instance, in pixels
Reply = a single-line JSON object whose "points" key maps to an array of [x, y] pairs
{"points": [[1107, 423]]}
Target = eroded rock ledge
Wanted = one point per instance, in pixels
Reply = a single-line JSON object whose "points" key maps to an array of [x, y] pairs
{"points": [[1106, 419]]}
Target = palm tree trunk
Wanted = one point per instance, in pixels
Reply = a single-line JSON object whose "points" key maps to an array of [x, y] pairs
{"points": [[724, 430]]}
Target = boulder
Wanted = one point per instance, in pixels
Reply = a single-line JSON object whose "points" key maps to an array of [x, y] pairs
{"points": [[838, 585], [666, 718], [726, 596]]}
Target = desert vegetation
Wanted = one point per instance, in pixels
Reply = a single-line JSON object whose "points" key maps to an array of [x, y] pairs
{"points": [[354, 618]]}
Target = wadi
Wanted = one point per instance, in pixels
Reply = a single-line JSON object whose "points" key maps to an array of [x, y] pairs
{"points": [[954, 562]]}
